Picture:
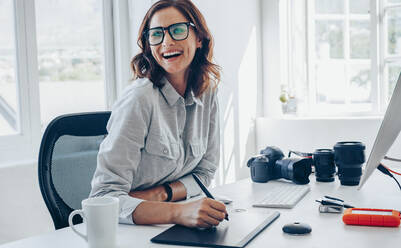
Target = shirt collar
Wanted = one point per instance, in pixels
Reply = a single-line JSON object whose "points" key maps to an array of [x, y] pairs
{"points": [[172, 96], [191, 99], [169, 93]]}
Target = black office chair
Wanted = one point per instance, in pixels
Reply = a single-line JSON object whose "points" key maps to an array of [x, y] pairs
{"points": [[67, 162]]}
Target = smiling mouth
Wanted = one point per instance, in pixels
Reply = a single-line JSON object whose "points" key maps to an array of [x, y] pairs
{"points": [[170, 55]]}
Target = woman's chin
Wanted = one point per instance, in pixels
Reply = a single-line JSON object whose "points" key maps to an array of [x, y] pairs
{"points": [[174, 71]]}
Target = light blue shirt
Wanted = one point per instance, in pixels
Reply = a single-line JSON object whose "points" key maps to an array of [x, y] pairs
{"points": [[157, 136]]}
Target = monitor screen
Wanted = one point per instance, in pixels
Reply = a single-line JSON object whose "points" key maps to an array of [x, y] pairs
{"points": [[388, 132]]}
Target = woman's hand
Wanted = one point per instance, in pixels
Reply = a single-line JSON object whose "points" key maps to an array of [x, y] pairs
{"points": [[157, 193], [204, 213]]}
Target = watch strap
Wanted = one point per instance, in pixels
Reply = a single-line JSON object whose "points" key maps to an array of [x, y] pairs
{"points": [[169, 191]]}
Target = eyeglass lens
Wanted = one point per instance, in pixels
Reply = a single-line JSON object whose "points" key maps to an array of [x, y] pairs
{"points": [[178, 31]]}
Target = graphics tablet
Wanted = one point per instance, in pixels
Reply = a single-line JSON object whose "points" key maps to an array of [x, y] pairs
{"points": [[238, 232]]}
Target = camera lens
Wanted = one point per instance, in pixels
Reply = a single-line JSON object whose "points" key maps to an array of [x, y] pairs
{"points": [[324, 165], [349, 157]]}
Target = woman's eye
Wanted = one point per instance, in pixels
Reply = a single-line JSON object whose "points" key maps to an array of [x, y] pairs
{"points": [[178, 30], [156, 34]]}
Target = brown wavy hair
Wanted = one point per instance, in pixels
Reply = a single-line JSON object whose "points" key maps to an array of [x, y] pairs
{"points": [[202, 71]]}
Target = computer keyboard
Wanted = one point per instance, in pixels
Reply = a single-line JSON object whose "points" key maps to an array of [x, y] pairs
{"points": [[282, 195]]}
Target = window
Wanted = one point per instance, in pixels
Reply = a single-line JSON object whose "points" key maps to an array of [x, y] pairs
{"points": [[53, 55], [8, 89], [70, 57], [353, 55], [391, 58]]}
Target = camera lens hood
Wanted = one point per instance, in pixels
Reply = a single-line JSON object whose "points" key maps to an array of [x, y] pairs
{"points": [[350, 145], [349, 152]]}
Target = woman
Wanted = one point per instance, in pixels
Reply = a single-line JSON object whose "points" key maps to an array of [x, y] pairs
{"points": [[165, 126]]}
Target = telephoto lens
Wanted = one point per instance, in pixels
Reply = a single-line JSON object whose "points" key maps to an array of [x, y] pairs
{"points": [[349, 157], [324, 165]]}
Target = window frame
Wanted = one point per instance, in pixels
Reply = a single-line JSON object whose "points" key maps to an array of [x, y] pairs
{"points": [[25, 59], [385, 58], [313, 108], [24, 145], [305, 85]]}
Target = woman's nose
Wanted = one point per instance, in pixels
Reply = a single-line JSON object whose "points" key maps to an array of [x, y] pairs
{"points": [[168, 40]]}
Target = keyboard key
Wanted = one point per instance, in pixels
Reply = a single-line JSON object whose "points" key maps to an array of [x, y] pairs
{"points": [[282, 195]]}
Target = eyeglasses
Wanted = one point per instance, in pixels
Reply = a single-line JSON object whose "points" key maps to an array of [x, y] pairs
{"points": [[177, 31]]}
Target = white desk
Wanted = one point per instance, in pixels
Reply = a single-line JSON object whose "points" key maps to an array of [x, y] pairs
{"points": [[328, 230]]}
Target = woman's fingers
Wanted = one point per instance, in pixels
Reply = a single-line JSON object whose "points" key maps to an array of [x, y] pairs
{"points": [[218, 206], [214, 210], [215, 214], [218, 210], [203, 213], [210, 220], [204, 224]]}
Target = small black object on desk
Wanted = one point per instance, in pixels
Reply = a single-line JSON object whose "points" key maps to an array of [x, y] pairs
{"points": [[297, 228]]}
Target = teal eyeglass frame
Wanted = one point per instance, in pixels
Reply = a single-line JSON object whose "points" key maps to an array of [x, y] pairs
{"points": [[169, 29]]}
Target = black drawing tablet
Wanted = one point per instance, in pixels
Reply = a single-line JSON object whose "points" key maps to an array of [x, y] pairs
{"points": [[238, 232]]}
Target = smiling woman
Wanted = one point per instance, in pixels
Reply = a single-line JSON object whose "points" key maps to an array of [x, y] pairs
{"points": [[165, 126], [173, 56], [149, 64]]}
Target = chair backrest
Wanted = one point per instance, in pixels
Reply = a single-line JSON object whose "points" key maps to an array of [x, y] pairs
{"points": [[67, 162]]}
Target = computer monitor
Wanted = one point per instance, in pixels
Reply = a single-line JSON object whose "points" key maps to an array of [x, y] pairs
{"points": [[388, 132]]}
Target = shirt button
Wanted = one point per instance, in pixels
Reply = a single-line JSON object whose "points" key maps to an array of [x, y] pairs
{"points": [[165, 151]]}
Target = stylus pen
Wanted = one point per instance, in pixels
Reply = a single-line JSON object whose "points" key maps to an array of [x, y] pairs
{"points": [[204, 189], [338, 199], [328, 202]]}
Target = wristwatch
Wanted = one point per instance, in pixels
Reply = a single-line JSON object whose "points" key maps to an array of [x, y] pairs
{"points": [[169, 191]]}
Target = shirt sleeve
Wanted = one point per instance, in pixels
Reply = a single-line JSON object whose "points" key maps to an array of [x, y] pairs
{"points": [[120, 153], [207, 167]]}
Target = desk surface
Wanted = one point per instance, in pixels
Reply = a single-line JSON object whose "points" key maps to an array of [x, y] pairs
{"points": [[328, 230]]}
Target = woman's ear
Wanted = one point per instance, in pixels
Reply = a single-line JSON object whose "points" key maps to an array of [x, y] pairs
{"points": [[199, 43]]}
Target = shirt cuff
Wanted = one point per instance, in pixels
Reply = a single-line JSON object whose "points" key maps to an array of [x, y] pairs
{"points": [[191, 186], [127, 206]]}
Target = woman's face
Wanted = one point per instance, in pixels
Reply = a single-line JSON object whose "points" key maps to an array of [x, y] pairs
{"points": [[182, 51]]}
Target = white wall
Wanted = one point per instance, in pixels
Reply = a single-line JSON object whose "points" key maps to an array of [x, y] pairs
{"points": [[275, 49], [309, 134], [23, 212], [236, 28]]}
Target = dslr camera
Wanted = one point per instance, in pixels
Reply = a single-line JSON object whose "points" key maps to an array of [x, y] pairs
{"points": [[271, 164]]}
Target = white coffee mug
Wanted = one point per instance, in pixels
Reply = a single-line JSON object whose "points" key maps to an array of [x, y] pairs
{"points": [[100, 214]]}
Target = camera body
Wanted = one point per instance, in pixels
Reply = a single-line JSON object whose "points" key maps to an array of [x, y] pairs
{"points": [[271, 164]]}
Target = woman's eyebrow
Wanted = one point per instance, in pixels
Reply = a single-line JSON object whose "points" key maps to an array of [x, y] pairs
{"points": [[159, 26], [154, 27]]}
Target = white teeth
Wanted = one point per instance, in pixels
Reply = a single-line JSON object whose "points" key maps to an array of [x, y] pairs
{"points": [[171, 53]]}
